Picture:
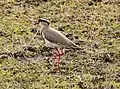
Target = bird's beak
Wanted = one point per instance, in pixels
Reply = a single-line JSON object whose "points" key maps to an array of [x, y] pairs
{"points": [[34, 22]]}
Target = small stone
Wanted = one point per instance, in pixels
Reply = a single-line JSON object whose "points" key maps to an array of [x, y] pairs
{"points": [[45, 0], [60, 29], [76, 37], [109, 43], [90, 3], [69, 34]]}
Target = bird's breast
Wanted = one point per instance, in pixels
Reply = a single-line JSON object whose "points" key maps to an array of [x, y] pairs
{"points": [[49, 44]]}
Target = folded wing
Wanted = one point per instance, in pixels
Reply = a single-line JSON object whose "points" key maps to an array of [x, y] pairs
{"points": [[55, 36]]}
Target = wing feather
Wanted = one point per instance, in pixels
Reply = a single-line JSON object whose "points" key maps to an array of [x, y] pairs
{"points": [[55, 36]]}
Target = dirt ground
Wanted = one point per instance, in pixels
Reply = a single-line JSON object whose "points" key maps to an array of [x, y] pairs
{"points": [[94, 25]]}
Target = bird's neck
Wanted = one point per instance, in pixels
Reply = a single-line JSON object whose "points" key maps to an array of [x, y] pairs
{"points": [[44, 26]]}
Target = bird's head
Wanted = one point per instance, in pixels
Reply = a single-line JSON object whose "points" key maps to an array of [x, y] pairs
{"points": [[43, 22]]}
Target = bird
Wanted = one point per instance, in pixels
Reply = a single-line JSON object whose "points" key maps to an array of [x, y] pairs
{"points": [[54, 38]]}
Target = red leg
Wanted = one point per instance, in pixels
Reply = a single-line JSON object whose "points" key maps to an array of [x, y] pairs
{"points": [[58, 54]]}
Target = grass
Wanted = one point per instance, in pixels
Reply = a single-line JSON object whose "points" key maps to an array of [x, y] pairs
{"points": [[94, 26]]}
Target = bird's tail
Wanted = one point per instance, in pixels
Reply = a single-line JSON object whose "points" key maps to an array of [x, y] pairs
{"points": [[74, 46]]}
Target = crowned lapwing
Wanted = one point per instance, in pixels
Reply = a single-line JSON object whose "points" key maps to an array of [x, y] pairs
{"points": [[54, 39]]}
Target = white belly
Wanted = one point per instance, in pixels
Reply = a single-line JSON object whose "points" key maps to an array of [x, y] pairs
{"points": [[49, 44]]}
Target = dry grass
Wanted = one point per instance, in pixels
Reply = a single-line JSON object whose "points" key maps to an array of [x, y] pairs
{"points": [[94, 26]]}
